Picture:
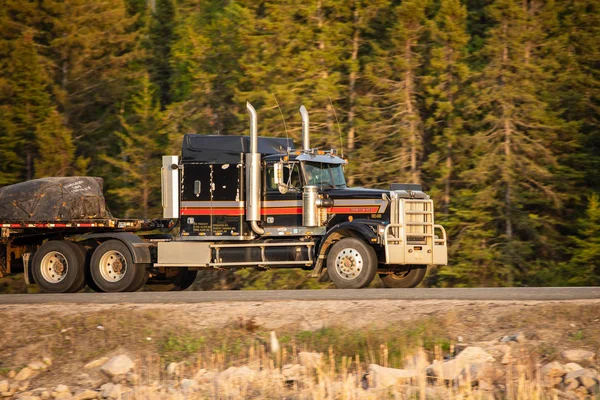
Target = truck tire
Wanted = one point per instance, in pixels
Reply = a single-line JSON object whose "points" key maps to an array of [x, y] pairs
{"points": [[112, 268], [83, 253], [57, 267], [184, 279], [404, 276], [351, 263]]}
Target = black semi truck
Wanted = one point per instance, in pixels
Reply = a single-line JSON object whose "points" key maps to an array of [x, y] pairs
{"points": [[228, 202]]}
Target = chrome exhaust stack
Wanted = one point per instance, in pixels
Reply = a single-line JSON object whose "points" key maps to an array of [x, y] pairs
{"points": [[253, 181], [305, 129]]}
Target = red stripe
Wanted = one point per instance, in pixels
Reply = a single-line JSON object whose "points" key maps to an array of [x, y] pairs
{"points": [[212, 211], [353, 210], [281, 210]]}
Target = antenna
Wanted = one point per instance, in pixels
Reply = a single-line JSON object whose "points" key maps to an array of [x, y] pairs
{"points": [[338, 125], [287, 139]]}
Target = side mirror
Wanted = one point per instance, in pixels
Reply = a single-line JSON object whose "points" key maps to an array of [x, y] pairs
{"points": [[281, 185]]}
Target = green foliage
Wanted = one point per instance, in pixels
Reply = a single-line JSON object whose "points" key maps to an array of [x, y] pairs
{"points": [[491, 104]]}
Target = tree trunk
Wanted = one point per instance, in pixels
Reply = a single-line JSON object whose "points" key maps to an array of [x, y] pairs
{"points": [[413, 139], [352, 98]]}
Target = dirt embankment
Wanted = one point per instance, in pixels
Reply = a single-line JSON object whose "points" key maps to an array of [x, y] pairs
{"points": [[220, 335]]}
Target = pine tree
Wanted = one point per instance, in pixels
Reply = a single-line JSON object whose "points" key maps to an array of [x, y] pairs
{"points": [[396, 134], [513, 179], [27, 105], [161, 38], [446, 87], [584, 266], [56, 154], [142, 141]]}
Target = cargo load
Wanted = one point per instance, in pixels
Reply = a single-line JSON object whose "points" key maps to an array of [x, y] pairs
{"points": [[54, 199]]}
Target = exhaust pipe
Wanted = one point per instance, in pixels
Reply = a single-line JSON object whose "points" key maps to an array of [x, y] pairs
{"points": [[253, 181], [305, 128]]}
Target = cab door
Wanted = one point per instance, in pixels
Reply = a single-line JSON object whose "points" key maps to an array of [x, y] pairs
{"points": [[282, 212]]}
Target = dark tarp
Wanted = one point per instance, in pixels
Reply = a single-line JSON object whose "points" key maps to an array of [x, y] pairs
{"points": [[228, 149], [53, 199]]}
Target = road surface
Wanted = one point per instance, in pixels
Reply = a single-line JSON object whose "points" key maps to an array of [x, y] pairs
{"points": [[516, 294]]}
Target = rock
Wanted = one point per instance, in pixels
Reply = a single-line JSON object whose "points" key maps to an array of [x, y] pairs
{"points": [[23, 386], [187, 386], [7, 393], [238, 373], [446, 370], [118, 365], [309, 360], [200, 375], [47, 361], [578, 355], [292, 372], [383, 377], [519, 338], [552, 373], [571, 385], [45, 395], [11, 374], [63, 396], [62, 389], [86, 394], [572, 367], [172, 369], [3, 386], [110, 391], [569, 376], [24, 374], [37, 366], [132, 378], [28, 397], [96, 363], [588, 382], [487, 372], [474, 355]]}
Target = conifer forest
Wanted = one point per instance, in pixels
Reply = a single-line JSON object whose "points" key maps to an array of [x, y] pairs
{"points": [[492, 105]]}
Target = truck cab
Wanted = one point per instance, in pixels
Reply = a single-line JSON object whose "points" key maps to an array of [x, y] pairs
{"points": [[255, 201]]}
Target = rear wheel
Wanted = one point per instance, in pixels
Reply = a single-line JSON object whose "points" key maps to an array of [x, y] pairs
{"points": [[83, 253], [351, 263], [57, 267], [404, 276], [184, 279], [112, 268]]}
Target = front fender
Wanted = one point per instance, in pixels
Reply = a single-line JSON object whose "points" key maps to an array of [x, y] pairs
{"points": [[365, 229]]}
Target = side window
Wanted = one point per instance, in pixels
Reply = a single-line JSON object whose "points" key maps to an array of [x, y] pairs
{"points": [[271, 177], [291, 175]]}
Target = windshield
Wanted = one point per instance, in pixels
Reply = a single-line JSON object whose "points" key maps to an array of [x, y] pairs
{"points": [[324, 175]]}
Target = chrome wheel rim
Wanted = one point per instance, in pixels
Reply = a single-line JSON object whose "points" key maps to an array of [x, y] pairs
{"points": [[112, 266], [349, 263], [54, 267]]}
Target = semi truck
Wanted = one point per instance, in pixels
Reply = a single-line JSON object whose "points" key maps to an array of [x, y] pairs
{"points": [[237, 202]]}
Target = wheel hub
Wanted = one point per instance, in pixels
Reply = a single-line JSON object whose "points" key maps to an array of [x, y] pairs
{"points": [[113, 266], [349, 263], [54, 267]]}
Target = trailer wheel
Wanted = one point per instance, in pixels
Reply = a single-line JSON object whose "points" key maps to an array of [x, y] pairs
{"points": [[81, 283], [57, 267], [351, 263], [404, 276], [112, 268]]}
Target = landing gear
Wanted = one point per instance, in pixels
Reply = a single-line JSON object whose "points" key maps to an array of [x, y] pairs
{"points": [[351, 263], [404, 276]]}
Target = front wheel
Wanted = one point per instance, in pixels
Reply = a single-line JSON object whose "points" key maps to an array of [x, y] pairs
{"points": [[404, 276], [112, 268], [351, 263]]}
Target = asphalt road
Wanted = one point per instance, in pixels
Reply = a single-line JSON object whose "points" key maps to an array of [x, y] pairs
{"points": [[517, 294]]}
